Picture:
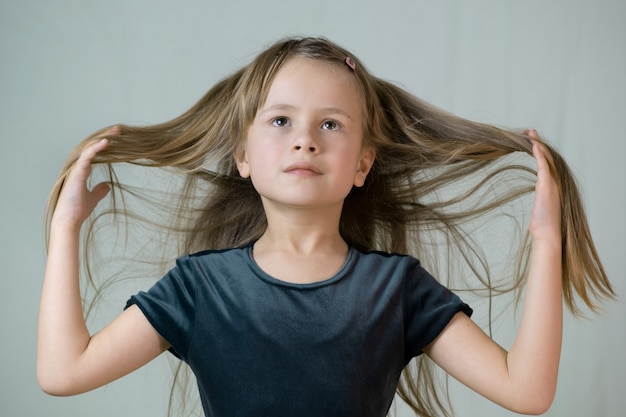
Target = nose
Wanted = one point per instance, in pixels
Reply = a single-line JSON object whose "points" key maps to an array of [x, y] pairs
{"points": [[305, 140], [311, 148]]}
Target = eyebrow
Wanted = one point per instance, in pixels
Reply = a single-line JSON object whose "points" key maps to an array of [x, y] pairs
{"points": [[285, 106]]}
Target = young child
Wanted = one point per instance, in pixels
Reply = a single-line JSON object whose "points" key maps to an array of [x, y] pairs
{"points": [[301, 295]]}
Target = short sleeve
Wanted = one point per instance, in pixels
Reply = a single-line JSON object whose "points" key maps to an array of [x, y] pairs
{"points": [[170, 306], [429, 307]]}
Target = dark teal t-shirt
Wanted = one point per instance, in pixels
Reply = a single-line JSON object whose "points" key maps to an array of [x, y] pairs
{"points": [[264, 347]]}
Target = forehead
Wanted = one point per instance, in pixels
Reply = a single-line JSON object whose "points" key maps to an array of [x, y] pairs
{"points": [[309, 82]]}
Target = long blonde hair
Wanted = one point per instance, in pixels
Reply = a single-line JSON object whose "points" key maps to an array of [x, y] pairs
{"points": [[420, 150]]}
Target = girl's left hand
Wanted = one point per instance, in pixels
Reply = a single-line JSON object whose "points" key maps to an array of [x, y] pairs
{"points": [[545, 218], [524, 378]]}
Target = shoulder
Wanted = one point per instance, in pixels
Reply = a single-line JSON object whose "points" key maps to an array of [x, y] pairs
{"points": [[215, 253], [383, 256], [193, 268], [212, 256], [375, 260], [390, 270], [407, 271]]}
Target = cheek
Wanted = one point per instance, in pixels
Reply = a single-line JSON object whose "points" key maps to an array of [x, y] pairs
{"points": [[261, 162]]}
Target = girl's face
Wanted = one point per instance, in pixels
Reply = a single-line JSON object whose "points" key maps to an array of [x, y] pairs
{"points": [[305, 145]]}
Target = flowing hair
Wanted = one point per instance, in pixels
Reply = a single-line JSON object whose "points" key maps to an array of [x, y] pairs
{"points": [[435, 176]]}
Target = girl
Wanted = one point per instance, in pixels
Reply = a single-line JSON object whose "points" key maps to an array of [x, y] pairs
{"points": [[301, 295]]}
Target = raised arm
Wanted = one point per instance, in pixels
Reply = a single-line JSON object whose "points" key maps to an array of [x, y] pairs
{"points": [[70, 360], [523, 379]]}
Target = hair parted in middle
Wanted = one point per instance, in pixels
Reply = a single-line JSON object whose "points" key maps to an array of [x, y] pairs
{"points": [[420, 150]]}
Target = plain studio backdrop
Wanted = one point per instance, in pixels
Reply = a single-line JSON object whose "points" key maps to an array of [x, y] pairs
{"points": [[70, 67]]}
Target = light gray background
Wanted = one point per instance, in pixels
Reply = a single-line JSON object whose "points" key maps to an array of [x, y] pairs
{"points": [[69, 67]]}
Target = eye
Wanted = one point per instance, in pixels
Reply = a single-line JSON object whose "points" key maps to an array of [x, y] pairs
{"points": [[330, 125], [280, 121]]}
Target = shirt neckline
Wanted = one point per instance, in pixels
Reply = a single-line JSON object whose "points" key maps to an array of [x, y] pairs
{"points": [[264, 276]]}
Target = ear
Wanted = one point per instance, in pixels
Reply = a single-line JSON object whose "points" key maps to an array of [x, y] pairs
{"points": [[241, 159], [368, 155]]}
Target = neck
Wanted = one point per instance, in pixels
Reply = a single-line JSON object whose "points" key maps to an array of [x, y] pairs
{"points": [[301, 244], [300, 253], [302, 230]]}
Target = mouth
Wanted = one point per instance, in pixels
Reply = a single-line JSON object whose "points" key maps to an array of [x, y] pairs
{"points": [[303, 168]]}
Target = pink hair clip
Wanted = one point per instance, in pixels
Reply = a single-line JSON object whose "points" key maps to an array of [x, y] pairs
{"points": [[350, 63]]}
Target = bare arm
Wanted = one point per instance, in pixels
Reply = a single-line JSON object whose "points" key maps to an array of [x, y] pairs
{"points": [[523, 379], [69, 359]]}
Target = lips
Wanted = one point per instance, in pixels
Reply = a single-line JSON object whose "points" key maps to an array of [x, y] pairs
{"points": [[303, 168]]}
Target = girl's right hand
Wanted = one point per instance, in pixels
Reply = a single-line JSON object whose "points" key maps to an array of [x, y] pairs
{"points": [[76, 201], [69, 359]]}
